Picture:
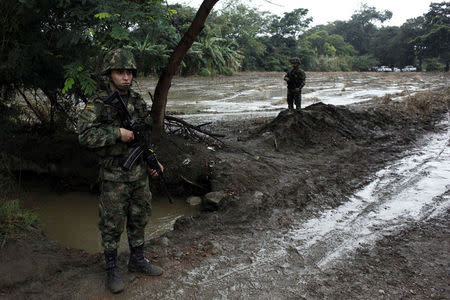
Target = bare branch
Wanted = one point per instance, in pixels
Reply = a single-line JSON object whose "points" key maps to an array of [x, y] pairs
{"points": [[190, 126]]}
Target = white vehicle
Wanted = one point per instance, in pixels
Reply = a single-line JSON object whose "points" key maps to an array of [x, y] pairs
{"points": [[395, 69], [384, 69], [409, 69]]}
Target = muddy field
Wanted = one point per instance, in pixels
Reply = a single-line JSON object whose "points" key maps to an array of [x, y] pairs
{"points": [[256, 94], [330, 202]]}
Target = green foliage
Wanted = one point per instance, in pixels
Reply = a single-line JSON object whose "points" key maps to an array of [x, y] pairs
{"points": [[204, 72], [364, 62], [386, 45], [434, 39], [150, 58], [214, 54], [330, 45], [76, 73], [291, 24], [360, 29], [433, 64], [14, 220], [105, 15], [276, 62], [435, 42], [54, 48]]}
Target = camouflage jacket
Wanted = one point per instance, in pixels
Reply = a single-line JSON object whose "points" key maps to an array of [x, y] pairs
{"points": [[98, 127], [297, 78]]}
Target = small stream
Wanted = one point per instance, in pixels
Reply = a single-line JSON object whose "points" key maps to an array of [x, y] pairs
{"points": [[71, 218]]}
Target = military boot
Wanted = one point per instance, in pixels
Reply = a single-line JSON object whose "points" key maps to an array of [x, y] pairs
{"points": [[139, 264], [114, 281]]}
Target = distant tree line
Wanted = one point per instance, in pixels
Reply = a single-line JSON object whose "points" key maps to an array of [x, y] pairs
{"points": [[266, 41], [51, 50]]}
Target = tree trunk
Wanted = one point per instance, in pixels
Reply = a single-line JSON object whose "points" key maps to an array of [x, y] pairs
{"points": [[165, 80]]}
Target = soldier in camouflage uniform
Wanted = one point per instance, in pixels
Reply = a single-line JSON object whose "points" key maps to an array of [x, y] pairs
{"points": [[125, 195], [295, 80]]}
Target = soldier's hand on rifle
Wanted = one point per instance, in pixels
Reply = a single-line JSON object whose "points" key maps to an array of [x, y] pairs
{"points": [[153, 173], [126, 135], [297, 89]]}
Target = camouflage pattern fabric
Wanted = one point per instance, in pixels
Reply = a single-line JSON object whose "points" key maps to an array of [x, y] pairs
{"points": [[120, 201], [119, 59], [297, 78], [294, 97], [98, 127], [124, 194]]}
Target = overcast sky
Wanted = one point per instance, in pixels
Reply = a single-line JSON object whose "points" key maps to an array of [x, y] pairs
{"points": [[324, 11]]}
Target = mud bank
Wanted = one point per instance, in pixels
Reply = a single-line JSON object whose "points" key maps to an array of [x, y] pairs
{"points": [[275, 173]]}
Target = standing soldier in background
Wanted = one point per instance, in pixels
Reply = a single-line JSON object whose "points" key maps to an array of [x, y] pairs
{"points": [[125, 195], [295, 81]]}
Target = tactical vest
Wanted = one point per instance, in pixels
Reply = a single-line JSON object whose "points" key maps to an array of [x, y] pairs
{"points": [[98, 127]]}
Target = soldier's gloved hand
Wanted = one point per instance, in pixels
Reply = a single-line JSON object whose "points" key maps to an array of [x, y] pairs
{"points": [[153, 172], [126, 135]]}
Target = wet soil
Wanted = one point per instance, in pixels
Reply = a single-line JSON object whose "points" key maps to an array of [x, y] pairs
{"points": [[277, 173]]}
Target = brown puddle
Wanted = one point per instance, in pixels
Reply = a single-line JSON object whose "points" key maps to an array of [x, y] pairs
{"points": [[71, 218]]}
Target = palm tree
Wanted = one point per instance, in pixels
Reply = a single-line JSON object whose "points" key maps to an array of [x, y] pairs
{"points": [[215, 54], [150, 57]]}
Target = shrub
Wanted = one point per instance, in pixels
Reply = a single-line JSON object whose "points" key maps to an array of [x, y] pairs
{"points": [[14, 220], [364, 63], [228, 71], [434, 65], [205, 72]]}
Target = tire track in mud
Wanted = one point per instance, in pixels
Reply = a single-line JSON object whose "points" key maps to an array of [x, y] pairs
{"points": [[407, 190], [279, 264]]}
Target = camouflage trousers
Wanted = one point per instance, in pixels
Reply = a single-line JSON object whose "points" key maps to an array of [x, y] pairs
{"points": [[294, 97], [120, 202]]}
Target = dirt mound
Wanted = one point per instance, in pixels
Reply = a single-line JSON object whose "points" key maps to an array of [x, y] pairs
{"points": [[317, 124], [329, 125]]}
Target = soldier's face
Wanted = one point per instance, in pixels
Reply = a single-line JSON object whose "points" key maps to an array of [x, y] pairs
{"points": [[122, 77]]}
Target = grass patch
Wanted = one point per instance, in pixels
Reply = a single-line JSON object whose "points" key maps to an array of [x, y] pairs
{"points": [[421, 103], [427, 102], [14, 220]]}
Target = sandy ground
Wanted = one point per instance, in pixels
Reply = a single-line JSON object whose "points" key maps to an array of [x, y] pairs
{"points": [[282, 176]]}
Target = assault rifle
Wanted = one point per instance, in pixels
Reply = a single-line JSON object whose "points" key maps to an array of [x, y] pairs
{"points": [[140, 143]]}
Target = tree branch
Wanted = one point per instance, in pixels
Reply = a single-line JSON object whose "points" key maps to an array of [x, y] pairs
{"points": [[165, 80]]}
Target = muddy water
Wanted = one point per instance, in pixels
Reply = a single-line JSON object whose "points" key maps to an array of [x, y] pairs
{"points": [[71, 218], [249, 95]]}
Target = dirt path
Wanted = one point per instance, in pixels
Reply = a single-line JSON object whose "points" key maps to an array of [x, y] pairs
{"points": [[312, 212]]}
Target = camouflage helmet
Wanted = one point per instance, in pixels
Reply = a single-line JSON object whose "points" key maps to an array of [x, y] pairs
{"points": [[119, 59], [295, 60]]}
